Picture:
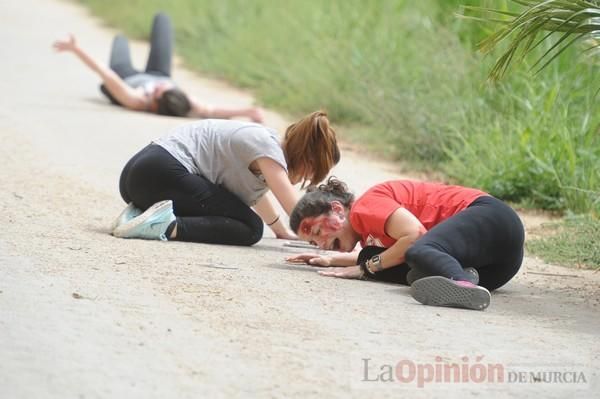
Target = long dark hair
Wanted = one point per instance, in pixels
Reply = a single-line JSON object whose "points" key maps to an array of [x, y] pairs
{"points": [[317, 201]]}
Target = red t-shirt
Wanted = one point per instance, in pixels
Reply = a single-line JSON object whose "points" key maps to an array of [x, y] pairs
{"points": [[431, 203]]}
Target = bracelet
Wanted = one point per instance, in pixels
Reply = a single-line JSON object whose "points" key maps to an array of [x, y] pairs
{"points": [[274, 221]]}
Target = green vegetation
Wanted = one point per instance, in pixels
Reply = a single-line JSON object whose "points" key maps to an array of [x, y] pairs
{"points": [[567, 21], [404, 79], [576, 242]]}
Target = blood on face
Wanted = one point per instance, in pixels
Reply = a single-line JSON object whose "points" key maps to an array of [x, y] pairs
{"points": [[326, 224]]}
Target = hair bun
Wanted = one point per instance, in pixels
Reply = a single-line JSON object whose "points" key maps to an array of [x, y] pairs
{"points": [[334, 186], [318, 201]]}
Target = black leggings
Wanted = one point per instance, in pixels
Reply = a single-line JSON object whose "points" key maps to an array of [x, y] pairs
{"points": [[159, 59], [488, 236], [395, 274], [205, 212]]}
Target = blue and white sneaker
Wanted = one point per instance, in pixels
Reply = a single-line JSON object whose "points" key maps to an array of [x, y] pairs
{"points": [[150, 225], [130, 212]]}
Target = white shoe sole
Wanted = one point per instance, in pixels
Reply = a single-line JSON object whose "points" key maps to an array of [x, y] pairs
{"points": [[121, 230], [440, 291]]}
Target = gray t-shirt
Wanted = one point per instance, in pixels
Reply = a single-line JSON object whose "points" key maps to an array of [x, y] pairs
{"points": [[222, 150], [146, 81]]}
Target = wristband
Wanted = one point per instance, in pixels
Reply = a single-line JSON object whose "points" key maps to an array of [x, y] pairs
{"points": [[274, 221]]}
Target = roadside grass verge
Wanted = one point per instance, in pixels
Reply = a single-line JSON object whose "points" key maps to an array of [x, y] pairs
{"points": [[573, 242]]}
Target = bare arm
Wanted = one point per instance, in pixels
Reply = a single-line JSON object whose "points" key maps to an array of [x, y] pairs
{"points": [[342, 259], [200, 110], [127, 96], [265, 209], [405, 228], [279, 183], [401, 225]]}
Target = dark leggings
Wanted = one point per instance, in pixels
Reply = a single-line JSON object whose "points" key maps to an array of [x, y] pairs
{"points": [[159, 59], [488, 236], [205, 212], [396, 274]]}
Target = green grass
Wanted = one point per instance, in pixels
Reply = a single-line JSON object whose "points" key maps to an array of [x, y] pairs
{"points": [[403, 79], [574, 242], [542, 147]]}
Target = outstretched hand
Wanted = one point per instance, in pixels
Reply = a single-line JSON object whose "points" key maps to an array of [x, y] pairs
{"points": [[310, 259], [286, 235], [65, 45], [343, 272]]}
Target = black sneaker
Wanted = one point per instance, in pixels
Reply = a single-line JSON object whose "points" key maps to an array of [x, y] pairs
{"points": [[414, 275], [441, 291]]}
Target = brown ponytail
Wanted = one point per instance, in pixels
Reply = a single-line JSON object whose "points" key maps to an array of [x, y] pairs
{"points": [[310, 148], [317, 201]]}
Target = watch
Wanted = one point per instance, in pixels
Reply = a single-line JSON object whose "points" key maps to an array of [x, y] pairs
{"points": [[371, 266], [374, 264]]}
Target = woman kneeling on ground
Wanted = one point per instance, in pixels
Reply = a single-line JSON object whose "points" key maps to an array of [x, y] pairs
{"points": [[451, 244], [199, 181]]}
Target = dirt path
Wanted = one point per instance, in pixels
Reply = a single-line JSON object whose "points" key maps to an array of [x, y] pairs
{"points": [[85, 315]]}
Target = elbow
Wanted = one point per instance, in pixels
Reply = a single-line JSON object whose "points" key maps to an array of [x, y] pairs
{"points": [[414, 235], [420, 232]]}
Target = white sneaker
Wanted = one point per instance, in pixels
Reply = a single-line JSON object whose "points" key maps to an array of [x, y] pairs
{"points": [[126, 215], [150, 225]]}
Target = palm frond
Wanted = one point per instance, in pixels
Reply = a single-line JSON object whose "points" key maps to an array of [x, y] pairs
{"points": [[572, 20]]}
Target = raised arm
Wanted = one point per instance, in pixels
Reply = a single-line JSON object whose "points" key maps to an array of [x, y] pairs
{"points": [[127, 96]]}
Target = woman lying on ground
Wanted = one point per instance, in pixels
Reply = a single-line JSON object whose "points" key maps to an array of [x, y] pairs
{"points": [[152, 90], [451, 244], [199, 181]]}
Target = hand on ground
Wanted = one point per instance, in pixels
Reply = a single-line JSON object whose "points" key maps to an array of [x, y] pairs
{"points": [[343, 272], [286, 235], [310, 259]]}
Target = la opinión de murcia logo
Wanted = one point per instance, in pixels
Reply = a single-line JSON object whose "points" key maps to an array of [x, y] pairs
{"points": [[465, 371]]}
